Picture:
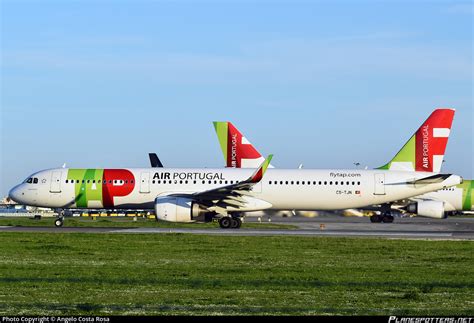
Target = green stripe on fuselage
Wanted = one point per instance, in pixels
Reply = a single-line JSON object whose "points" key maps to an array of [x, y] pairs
{"points": [[87, 185]]}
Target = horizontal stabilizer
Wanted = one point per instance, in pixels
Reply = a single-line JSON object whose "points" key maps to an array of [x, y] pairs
{"points": [[438, 178]]}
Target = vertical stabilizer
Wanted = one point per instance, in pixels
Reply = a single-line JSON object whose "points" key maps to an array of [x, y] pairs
{"points": [[424, 152], [237, 150]]}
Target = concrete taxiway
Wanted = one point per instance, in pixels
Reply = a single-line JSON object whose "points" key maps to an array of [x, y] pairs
{"points": [[456, 228]]}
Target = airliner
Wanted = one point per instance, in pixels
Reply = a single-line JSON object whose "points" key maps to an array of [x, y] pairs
{"points": [[201, 194], [238, 152]]}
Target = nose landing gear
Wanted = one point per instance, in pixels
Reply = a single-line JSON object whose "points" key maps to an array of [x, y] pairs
{"points": [[59, 222], [60, 219]]}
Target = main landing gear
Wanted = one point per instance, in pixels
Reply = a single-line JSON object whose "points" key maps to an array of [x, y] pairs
{"points": [[230, 222], [383, 217]]}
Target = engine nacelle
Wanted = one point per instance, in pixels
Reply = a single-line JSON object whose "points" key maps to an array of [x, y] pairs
{"points": [[178, 209], [429, 209]]}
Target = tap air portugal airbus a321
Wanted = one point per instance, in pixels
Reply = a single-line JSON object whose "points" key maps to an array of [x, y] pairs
{"points": [[240, 153], [186, 195]]}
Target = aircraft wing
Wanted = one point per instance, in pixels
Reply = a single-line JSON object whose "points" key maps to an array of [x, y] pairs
{"points": [[230, 196]]}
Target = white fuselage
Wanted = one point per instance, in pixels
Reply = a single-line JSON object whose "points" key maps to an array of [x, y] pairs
{"points": [[283, 189]]}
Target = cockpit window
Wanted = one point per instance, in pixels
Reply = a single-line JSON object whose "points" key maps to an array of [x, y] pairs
{"points": [[31, 180]]}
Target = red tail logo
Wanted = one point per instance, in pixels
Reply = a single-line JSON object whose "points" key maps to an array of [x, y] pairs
{"points": [[432, 139], [238, 148]]}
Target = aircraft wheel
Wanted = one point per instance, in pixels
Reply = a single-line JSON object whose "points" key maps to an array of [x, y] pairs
{"points": [[58, 223], [387, 219], [375, 219], [225, 222], [236, 223]]}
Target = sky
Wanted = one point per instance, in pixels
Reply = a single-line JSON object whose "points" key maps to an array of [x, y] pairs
{"points": [[325, 84]]}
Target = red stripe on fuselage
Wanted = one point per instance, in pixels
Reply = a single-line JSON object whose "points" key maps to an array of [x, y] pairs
{"points": [[118, 182]]}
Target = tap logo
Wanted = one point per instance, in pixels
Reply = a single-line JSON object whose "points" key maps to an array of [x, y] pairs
{"points": [[99, 187]]}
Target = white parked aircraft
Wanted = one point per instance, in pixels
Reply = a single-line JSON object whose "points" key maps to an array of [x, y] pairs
{"points": [[239, 152]]}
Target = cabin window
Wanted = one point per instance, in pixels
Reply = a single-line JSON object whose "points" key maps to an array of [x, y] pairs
{"points": [[67, 181], [194, 182], [298, 183], [358, 183], [353, 183]]}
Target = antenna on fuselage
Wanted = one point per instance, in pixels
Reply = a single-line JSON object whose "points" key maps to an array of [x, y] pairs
{"points": [[64, 165]]}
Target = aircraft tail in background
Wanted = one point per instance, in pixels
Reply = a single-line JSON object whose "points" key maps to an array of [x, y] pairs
{"points": [[237, 150]]}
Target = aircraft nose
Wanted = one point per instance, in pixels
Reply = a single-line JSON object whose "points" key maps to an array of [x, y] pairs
{"points": [[15, 194]]}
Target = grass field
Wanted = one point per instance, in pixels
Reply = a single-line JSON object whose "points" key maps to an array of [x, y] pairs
{"points": [[126, 222], [164, 274]]}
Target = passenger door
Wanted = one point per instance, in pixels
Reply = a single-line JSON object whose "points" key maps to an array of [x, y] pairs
{"points": [[55, 186], [379, 184], [145, 182]]}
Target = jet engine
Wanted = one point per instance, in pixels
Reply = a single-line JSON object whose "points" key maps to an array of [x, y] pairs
{"points": [[429, 209], [179, 209]]}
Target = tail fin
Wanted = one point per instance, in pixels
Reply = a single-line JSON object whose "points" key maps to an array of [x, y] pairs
{"points": [[237, 150], [424, 152]]}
